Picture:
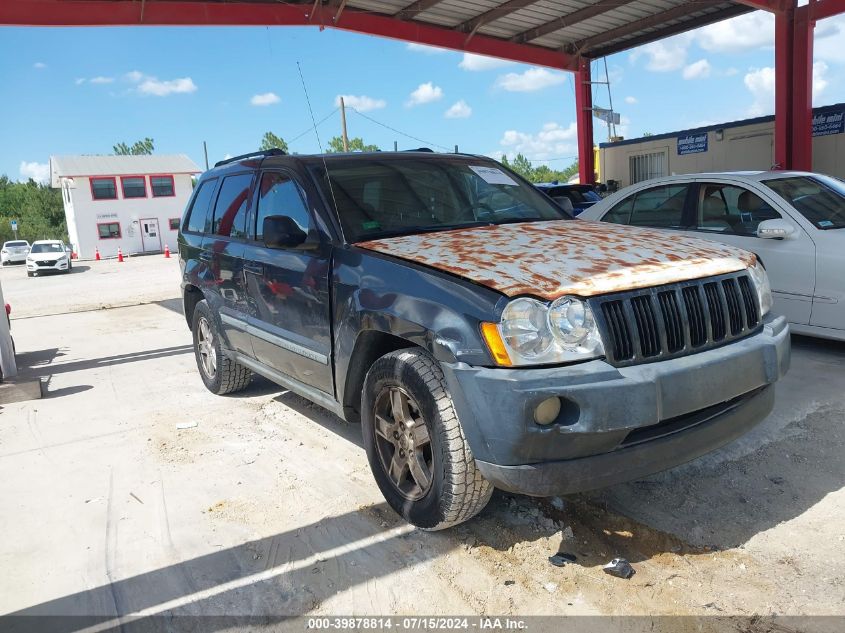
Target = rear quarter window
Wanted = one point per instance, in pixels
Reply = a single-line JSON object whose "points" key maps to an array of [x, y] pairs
{"points": [[198, 212]]}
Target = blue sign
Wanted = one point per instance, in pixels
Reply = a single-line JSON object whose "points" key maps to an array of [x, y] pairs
{"points": [[14, 225], [692, 144], [827, 124]]}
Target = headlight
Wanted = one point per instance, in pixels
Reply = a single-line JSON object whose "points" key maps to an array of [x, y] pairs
{"points": [[761, 284], [534, 333]]}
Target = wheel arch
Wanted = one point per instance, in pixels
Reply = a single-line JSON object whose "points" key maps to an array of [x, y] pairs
{"points": [[191, 296]]}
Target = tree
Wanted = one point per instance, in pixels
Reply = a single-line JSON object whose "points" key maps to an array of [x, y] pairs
{"points": [[140, 147], [542, 173], [36, 207], [355, 145], [271, 141]]}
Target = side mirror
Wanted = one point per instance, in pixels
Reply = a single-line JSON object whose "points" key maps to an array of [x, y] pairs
{"points": [[280, 231], [776, 229]]}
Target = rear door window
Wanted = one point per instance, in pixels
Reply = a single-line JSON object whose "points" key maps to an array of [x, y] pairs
{"points": [[732, 210], [659, 207], [198, 213], [279, 195], [232, 205]]}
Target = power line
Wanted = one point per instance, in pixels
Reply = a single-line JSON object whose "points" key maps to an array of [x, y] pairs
{"points": [[311, 128], [393, 129]]}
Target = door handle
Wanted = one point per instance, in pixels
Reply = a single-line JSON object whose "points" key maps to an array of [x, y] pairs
{"points": [[254, 267], [205, 257]]}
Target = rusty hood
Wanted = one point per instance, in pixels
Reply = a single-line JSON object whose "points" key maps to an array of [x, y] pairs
{"points": [[550, 259]]}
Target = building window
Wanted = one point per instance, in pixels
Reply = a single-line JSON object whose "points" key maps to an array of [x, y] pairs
{"points": [[162, 186], [174, 224], [647, 166], [109, 230], [103, 189], [134, 186]]}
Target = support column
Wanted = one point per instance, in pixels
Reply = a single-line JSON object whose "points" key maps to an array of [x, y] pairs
{"points": [[801, 145], [784, 33], [584, 121]]}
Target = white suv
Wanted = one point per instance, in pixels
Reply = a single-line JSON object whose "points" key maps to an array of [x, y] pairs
{"points": [[14, 252], [48, 256]]}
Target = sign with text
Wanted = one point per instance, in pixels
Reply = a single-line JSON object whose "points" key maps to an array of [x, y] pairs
{"points": [[692, 144], [827, 124]]}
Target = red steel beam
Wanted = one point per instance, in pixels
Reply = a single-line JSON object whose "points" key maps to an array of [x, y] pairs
{"points": [[784, 33], [821, 9], [187, 13], [775, 6], [801, 145], [584, 122]]}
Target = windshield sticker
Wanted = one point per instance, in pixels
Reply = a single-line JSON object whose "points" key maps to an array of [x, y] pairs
{"points": [[494, 176], [825, 223]]}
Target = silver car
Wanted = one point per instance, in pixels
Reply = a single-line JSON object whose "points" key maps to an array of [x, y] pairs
{"points": [[14, 252], [793, 221]]}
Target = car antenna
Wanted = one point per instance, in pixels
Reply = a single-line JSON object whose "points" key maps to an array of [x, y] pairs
{"points": [[317, 134]]}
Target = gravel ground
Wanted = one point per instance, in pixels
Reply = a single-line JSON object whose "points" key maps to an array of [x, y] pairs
{"points": [[130, 489]]}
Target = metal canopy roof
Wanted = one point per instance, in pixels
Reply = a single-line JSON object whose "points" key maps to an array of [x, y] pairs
{"points": [[551, 33]]}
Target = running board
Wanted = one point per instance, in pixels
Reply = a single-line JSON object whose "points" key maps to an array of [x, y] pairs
{"points": [[311, 393]]}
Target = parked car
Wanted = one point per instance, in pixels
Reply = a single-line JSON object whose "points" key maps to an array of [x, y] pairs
{"points": [[480, 335], [580, 197], [14, 252], [48, 256], [793, 221]]}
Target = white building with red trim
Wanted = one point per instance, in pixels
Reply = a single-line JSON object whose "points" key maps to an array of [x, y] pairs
{"points": [[131, 202]]}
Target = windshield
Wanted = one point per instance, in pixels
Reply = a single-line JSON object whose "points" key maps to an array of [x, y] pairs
{"points": [[377, 198], [47, 248], [818, 198], [16, 244]]}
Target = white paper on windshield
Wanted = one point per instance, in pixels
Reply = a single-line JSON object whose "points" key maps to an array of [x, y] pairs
{"points": [[493, 175]]}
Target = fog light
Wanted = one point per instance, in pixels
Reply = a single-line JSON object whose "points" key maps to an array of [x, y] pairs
{"points": [[547, 411]]}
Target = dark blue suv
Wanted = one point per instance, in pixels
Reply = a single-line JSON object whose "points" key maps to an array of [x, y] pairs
{"points": [[481, 335]]}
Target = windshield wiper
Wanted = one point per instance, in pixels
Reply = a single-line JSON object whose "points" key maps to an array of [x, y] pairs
{"points": [[412, 230]]}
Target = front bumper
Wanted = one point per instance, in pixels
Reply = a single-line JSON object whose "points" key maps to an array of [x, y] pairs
{"points": [[616, 424], [48, 266]]}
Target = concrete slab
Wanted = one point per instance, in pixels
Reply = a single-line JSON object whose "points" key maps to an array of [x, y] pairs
{"points": [[19, 390]]}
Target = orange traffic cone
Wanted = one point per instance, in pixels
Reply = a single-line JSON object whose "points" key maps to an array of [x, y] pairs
{"points": [[166, 251], [119, 254], [97, 254]]}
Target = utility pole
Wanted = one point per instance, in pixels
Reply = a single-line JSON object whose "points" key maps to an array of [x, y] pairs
{"points": [[343, 125], [205, 150]]}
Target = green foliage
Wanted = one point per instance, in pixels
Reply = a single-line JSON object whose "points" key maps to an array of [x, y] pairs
{"points": [[37, 208], [271, 141], [542, 173], [355, 145], [139, 147]]}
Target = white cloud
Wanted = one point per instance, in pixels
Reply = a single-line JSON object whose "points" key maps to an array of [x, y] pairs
{"points": [[829, 35], [730, 72], [101, 80], [362, 103], [743, 33], [631, 100], [79, 81], [531, 80], [265, 99], [760, 82], [458, 110], [552, 141], [149, 85], [424, 49], [665, 55], [39, 172], [697, 70], [425, 93], [39, 65], [474, 62]]}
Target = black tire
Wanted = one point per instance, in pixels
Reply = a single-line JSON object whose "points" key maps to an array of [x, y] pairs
{"points": [[222, 375], [29, 274], [456, 490]]}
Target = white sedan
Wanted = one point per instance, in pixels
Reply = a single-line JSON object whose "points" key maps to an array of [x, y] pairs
{"points": [[14, 252], [48, 256], [793, 221]]}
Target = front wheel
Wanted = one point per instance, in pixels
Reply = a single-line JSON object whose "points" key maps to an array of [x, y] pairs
{"points": [[220, 374], [417, 451]]}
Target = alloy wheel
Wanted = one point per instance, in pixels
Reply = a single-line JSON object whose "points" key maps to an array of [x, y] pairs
{"points": [[206, 347]]}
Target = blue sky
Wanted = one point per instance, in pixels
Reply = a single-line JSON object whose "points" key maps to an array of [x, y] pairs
{"points": [[81, 90]]}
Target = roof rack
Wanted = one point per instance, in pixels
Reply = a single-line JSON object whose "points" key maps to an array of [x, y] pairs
{"points": [[263, 153], [419, 149]]}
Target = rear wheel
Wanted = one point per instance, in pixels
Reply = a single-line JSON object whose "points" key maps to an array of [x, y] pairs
{"points": [[220, 374], [29, 274], [416, 448]]}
